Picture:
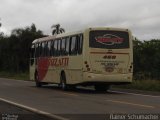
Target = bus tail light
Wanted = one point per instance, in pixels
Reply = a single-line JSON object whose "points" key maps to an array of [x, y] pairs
{"points": [[88, 69], [85, 62], [87, 66], [130, 69]]}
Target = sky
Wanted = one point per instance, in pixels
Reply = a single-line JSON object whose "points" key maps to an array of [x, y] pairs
{"points": [[142, 17]]}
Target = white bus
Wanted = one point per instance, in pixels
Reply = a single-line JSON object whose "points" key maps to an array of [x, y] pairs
{"points": [[97, 57]]}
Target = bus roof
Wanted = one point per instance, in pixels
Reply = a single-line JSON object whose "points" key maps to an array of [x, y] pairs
{"points": [[56, 36], [77, 32]]}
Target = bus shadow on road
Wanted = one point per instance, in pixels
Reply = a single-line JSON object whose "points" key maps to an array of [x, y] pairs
{"points": [[81, 90], [92, 91]]}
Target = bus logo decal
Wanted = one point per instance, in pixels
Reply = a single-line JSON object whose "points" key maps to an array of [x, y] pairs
{"points": [[45, 63], [109, 39], [109, 57], [55, 62]]}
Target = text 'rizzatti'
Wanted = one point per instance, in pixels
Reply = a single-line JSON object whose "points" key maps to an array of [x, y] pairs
{"points": [[58, 62]]}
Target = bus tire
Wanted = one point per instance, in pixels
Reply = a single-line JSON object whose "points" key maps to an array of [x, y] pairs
{"points": [[71, 87], [63, 81], [38, 84], [101, 88]]}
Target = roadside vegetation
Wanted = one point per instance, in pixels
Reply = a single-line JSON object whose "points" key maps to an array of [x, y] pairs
{"points": [[146, 66], [17, 76], [146, 85], [15, 49]]}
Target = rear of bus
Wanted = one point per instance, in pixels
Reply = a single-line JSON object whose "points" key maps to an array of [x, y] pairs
{"points": [[109, 57]]}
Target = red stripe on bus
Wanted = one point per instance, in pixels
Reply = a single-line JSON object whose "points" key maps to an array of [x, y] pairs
{"points": [[106, 53]]}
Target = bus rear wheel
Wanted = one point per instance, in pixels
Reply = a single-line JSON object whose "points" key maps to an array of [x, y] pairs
{"points": [[63, 84], [38, 84], [101, 88]]}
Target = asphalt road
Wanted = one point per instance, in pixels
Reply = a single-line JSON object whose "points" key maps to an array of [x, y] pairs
{"points": [[12, 112], [78, 103]]}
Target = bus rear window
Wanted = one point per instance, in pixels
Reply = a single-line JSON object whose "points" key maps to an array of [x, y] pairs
{"points": [[109, 39]]}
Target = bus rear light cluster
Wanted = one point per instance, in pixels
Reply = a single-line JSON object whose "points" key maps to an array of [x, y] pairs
{"points": [[87, 66], [109, 57], [130, 69], [88, 69], [85, 62]]}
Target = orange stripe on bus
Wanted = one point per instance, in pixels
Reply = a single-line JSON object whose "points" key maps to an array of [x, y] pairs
{"points": [[106, 53]]}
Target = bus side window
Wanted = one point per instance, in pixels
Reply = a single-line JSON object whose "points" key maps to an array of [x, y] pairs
{"points": [[67, 46], [80, 44], [40, 49], [63, 46], [32, 55], [52, 48], [49, 48], [36, 50], [43, 49], [73, 47], [55, 47], [59, 47]]}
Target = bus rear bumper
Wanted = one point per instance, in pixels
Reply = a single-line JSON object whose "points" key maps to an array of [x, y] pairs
{"points": [[108, 79]]}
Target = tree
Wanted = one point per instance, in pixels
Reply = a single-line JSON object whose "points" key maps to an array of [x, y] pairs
{"points": [[0, 23], [23, 38], [14, 49], [146, 59], [1, 33], [57, 30]]}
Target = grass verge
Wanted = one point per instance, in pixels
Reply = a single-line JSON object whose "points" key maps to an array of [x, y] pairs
{"points": [[12, 75], [147, 85]]}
